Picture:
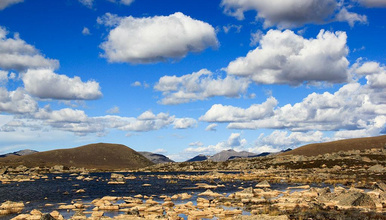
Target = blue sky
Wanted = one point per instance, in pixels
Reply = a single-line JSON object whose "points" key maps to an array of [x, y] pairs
{"points": [[188, 77]]}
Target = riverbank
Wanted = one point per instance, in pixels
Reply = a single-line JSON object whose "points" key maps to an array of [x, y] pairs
{"points": [[189, 196]]}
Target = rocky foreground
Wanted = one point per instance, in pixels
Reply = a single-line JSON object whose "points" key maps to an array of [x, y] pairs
{"points": [[259, 202], [341, 185], [359, 168]]}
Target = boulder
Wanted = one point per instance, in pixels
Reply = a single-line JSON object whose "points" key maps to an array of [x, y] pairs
{"points": [[47, 217], [9, 207], [377, 168], [381, 186], [210, 193], [263, 184], [355, 198]]}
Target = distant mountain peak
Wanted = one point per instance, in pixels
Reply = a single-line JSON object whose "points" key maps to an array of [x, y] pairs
{"points": [[20, 153], [228, 154], [156, 157]]}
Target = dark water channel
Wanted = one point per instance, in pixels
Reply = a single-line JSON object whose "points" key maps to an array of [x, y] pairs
{"points": [[38, 193]]}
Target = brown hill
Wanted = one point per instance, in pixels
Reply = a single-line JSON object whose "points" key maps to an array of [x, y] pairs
{"points": [[93, 156], [341, 145]]}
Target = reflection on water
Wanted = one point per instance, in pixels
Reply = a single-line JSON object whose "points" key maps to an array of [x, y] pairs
{"points": [[37, 194]]}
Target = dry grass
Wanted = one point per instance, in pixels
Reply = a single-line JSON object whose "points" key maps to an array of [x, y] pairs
{"points": [[93, 156], [342, 145]]}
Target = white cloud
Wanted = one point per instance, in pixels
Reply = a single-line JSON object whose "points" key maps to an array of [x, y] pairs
{"points": [[16, 54], [126, 2], [258, 149], [256, 37], [113, 110], [86, 31], [17, 102], [109, 20], [3, 77], [286, 58], [229, 27], [373, 127], [147, 121], [63, 115], [353, 110], [197, 143], [221, 113], [136, 84], [87, 3], [211, 127], [4, 119], [198, 86], [160, 151], [288, 13], [234, 142], [155, 39], [7, 3], [350, 17], [183, 123], [373, 3], [368, 68], [139, 84], [46, 84], [283, 139], [123, 2]]}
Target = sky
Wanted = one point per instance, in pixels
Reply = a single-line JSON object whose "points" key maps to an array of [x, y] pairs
{"points": [[183, 78]]}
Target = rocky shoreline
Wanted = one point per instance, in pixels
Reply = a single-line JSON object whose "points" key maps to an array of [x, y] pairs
{"points": [[342, 185], [259, 202]]}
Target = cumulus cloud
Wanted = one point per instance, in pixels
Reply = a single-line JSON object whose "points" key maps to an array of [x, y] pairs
{"points": [[139, 84], [221, 113], [211, 127], [16, 54], [136, 84], [123, 2], [7, 3], [350, 17], [86, 31], [46, 84], [155, 39], [354, 110], [183, 123], [372, 3], [87, 3], [79, 123], [289, 13], [17, 102], [148, 121], [113, 110], [3, 77], [62, 115], [283, 139], [234, 142], [286, 58], [198, 86], [229, 27]]}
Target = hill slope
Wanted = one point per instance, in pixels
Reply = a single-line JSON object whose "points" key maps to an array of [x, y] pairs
{"points": [[341, 145], [156, 158], [98, 156], [197, 158]]}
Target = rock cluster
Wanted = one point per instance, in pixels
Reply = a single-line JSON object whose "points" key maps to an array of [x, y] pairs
{"points": [[260, 202], [10, 207]]}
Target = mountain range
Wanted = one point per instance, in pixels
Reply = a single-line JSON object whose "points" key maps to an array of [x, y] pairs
{"points": [[93, 156], [19, 153], [155, 158]]}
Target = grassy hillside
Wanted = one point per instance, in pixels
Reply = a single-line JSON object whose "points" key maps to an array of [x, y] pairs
{"points": [[98, 156], [341, 145]]}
